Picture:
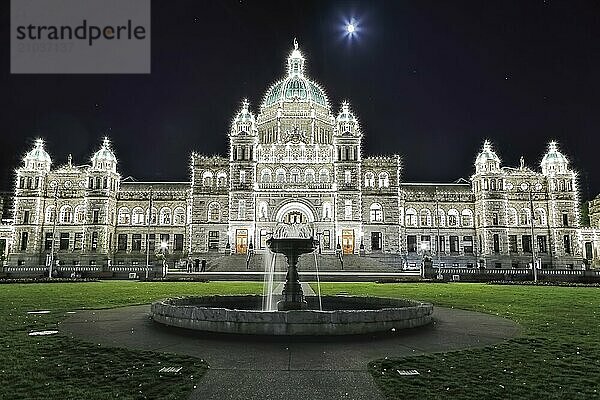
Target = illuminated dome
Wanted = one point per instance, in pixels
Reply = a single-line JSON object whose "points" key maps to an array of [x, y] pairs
{"points": [[105, 158], [487, 160], [554, 161], [295, 86], [244, 121], [38, 158]]}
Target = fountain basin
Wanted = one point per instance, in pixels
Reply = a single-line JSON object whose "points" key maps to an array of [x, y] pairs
{"points": [[341, 315]]}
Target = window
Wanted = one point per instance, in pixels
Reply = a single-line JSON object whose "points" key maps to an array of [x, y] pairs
{"points": [[495, 219], [347, 177], [213, 240], [66, 214], [452, 218], [425, 242], [96, 217], [309, 176], [207, 178], [295, 175], [411, 217], [152, 241], [179, 216], [347, 210], [384, 180], [468, 244], [466, 217], [152, 216], [25, 217], [526, 241], [242, 176], [369, 179], [165, 216], [94, 243], [64, 241], [280, 175], [164, 240], [178, 239], [512, 216], [78, 241], [565, 219], [324, 176], [411, 241], [441, 217], [496, 239], [454, 245], [542, 244], [524, 217], [567, 244], [136, 242], [50, 215], [122, 242], [441, 244], [48, 241], [512, 243], [375, 213], [425, 217], [265, 176], [24, 240], [138, 216], [376, 241], [222, 179], [79, 214], [241, 209]]}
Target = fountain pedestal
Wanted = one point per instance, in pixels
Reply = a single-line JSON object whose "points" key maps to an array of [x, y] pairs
{"points": [[292, 248]]}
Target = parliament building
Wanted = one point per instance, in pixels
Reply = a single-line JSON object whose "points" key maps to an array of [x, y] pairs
{"points": [[298, 159]]}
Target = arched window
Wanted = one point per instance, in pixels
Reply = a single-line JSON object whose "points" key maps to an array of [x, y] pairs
{"points": [[207, 178], [425, 217], [540, 217], [511, 216], [265, 176], [295, 175], [50, 214], [79, 214], [66, 214], [165, 216], [123, 217], [524, 217], [369, 179], [221, 179], [376, 212], [309, 175], [411, 217], [324, 176], [453, 217], [153, 216], [441, 217], [214, 212], [384, 180], [466, 217], [179, 216], [280, 175], [326, 211], [138, 216]]}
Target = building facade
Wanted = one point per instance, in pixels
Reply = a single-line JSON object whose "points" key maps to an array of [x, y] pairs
{"points": [[297, 161]]}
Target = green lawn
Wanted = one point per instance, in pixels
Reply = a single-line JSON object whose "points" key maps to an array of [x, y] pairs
{"points": [[557, 356], [57, 367]]}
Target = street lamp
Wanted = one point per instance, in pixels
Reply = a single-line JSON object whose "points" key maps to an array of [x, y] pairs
{"points": [[424, 248], [163, 249]]}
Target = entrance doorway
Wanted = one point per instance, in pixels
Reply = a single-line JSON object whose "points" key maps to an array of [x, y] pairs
{"points": [[241, 241], [375, 241], [348, 241]]}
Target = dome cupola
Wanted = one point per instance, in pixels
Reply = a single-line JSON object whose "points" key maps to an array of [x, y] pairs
{"points": [[295, 86], [346, 121], [38, 158], [244, 121], [554, 161], [104, 159], [487, 160]]}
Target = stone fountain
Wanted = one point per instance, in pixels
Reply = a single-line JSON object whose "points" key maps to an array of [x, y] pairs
{"points": [[295, 315]]}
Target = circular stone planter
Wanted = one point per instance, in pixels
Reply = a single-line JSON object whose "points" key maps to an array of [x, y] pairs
{"points": [[341, 315]]}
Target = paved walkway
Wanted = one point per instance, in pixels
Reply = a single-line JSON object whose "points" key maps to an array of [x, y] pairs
{"points": [[287, 368]]}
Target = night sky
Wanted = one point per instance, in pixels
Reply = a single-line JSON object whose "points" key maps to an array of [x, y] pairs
{"points": [[429, 80]]}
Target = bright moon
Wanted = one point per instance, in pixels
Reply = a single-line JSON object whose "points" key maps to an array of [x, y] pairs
{"points": [[350, 28]]}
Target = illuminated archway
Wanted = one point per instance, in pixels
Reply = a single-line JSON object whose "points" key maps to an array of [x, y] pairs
{"points": [[294, 210]]}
